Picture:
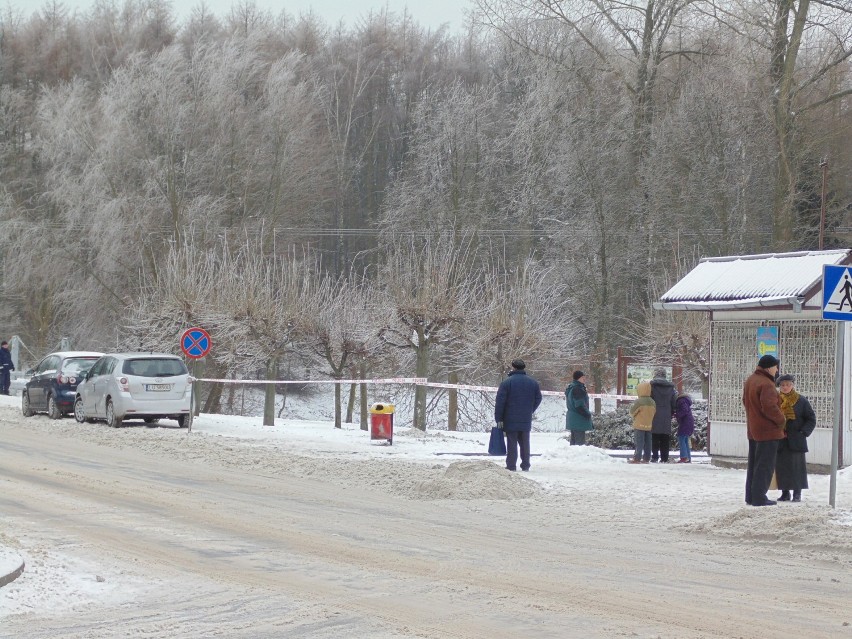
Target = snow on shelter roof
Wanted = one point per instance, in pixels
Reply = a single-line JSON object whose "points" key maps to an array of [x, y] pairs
{"points": [[750, 280]]}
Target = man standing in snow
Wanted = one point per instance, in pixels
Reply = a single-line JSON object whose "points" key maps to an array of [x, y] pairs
{"points": [[765, 427], [665, 397], [517, 398], [6, 367]]}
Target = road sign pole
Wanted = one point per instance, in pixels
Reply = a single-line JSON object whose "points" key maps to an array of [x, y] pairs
{"points": [[191, 405], [195, 343], [198, 368], [838, 411], [836, 296]]}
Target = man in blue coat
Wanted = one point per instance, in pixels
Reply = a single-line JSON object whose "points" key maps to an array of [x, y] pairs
{"points": [[6, 367], [517, 398]]}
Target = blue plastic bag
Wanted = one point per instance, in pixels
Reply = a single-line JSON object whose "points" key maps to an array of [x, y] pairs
{"points": [[497, 444]]}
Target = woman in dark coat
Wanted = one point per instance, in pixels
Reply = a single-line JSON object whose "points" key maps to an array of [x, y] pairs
{"points": [[578, 419], [791, 470]]}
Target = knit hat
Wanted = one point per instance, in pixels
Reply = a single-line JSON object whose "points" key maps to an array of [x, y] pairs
{"points": [[577, 375], [518, 364], [785, 378], [768, 361]]}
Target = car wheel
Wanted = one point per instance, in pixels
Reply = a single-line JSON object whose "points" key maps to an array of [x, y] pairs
{"points": [[111, 418], [185, 421], [152, 420], [53, 409], [79, 413], [26, 409]]}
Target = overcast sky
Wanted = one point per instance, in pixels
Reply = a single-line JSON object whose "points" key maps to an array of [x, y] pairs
{"points": [[429, 13]]}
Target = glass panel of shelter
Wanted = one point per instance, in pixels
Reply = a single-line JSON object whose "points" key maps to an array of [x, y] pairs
{"points": [[806, 350], [809, 347]]}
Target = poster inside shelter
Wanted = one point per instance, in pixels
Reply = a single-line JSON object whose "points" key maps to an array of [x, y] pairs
{"points": [[642, 373]]}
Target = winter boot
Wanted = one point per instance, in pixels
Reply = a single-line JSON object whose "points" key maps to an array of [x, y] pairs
{"points": [[785, 495]]}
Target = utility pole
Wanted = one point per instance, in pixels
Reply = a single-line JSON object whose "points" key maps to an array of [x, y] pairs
{"points": [[824, 166]]}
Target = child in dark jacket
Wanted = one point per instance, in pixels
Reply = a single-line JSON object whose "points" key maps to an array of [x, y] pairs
{"points": [[685, 426]]}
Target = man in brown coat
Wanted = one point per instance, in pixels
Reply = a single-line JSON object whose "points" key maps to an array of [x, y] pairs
{"points": [[765, 427]]}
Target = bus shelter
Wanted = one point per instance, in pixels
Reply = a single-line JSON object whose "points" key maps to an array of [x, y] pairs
{"points": [[770, 303]]}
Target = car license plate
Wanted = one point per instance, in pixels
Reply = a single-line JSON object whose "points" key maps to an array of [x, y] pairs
{"points": [[158, 387]]}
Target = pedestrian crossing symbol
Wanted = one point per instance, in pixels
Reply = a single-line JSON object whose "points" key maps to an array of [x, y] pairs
{"points": [[837, 293]]}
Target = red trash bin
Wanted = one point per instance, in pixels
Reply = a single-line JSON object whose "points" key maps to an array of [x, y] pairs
{"points": [[381, 422]]}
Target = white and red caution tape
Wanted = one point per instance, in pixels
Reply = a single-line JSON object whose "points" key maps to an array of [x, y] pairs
{"points": [[389, 380], [487, 389], [417, 381], [493, 389]]}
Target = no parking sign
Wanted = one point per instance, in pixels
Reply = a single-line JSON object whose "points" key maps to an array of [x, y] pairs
{"points": [[195, 342]]}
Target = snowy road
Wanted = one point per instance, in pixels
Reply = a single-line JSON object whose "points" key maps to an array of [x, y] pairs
{"points": [[158, 533]]}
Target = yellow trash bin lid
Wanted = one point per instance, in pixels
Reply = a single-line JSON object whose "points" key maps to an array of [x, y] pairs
{"points": [[381, 409]]}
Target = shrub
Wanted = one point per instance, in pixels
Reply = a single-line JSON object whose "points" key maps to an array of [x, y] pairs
{"points": [[614, 430]]}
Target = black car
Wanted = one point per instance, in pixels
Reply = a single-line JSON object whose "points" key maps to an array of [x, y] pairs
{"points": [[53, 383]]}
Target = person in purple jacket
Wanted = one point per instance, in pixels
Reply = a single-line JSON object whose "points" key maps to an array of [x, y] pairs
{"points": [[685, 426]]}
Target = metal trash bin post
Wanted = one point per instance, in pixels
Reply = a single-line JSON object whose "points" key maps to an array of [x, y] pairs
{"points": [[381, 422]]}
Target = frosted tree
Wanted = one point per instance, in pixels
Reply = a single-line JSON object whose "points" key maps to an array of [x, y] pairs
{"points": [[711, 163], [337, 327], [252, 303], [342, 86], [679, 338], [178, 146], [805, 46], [524, 317], [629, 39], [181, 292], [604, 260], [262, 301], [426, 287], [452, 176], [517, 309]]}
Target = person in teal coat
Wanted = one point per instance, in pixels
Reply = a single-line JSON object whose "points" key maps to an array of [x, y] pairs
{"points": [[578, 420]]}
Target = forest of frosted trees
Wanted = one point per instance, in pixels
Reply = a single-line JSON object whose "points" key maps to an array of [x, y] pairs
{"points": [[382, 198]]}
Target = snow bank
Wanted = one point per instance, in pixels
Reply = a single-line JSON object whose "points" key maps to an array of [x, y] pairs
{"points": [[476, 480], [805, 526], [578, 456]]}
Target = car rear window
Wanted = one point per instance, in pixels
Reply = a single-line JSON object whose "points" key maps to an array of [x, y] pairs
{"points": [[78, 365], [154, 367]]}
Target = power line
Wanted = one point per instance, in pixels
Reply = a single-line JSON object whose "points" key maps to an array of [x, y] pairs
{"points": [[373, 232]]}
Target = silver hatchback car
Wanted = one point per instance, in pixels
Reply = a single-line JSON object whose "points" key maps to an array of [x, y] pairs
{"points": [[147, 386]]}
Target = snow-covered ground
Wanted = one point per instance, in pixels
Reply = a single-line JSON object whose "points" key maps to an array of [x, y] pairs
{"points": [[432, 466]]}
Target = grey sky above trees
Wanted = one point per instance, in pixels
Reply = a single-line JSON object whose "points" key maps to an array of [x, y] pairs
{"points": [[433, 14]]}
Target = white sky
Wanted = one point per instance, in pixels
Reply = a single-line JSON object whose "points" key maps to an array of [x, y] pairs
{"points": [[429, 13]]}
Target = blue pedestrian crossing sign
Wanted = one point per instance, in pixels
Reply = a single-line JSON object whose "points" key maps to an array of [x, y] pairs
{"points": [[837, 293], [195, 342]]}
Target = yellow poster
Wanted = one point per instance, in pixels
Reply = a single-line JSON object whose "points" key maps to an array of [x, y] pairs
{"points": [[643, 373]]}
